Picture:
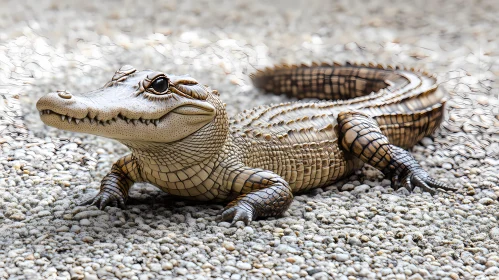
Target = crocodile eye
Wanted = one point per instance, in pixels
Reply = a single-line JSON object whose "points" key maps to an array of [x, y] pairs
{"points": [[160, 85]]}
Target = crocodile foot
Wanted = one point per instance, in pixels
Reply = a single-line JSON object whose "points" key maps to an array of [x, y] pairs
{"points": [[420, 178], [103, 199], [241, 211], [272, 201]]}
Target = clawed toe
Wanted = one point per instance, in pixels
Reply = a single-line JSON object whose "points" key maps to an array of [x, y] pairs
{"points": [[426, 183], [104, 199], [236, 213], [87, 202], [439, 185], [419, 182]]}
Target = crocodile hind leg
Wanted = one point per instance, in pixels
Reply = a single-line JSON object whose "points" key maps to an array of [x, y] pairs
{"points": [[115, 185], [264, 194], [361, 136]]}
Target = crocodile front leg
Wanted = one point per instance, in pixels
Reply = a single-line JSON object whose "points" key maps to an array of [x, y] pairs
{"points": [[263, 194], [116, 184], [361, 136]]}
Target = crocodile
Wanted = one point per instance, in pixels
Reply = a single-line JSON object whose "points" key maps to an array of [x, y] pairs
{"points": [[183, 141]]}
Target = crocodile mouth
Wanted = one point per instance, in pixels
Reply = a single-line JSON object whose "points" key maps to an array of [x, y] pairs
{"points": [[191, 110]]}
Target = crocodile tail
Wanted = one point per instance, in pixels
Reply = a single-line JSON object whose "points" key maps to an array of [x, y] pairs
{"points": [[326, 81], [413, 112], [406, 129], [407, 103]]}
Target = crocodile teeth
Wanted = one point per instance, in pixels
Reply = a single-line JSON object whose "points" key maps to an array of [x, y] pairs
{"points": [[134, 122], [77, 121], [63, 117], [147, 122], [92, 121], [70, 119], [156, 122]]}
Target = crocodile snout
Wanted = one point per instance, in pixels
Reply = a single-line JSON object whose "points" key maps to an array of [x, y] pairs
{"points": [[63, 103], [57, 99]]}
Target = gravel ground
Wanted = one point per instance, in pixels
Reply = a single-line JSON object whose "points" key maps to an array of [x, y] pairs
{"points": [[358, 228]]}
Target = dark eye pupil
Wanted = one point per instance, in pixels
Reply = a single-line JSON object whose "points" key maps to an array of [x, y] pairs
{"points": [[160, 85]]}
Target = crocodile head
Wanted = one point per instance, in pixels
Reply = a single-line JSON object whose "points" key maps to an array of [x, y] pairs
{"points": [[135, 105]]}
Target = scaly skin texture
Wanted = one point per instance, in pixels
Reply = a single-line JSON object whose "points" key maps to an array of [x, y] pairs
{"points": [[183, 142]]}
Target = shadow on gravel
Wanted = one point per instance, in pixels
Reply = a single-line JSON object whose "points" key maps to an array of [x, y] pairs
{"points": [[170, 201]]}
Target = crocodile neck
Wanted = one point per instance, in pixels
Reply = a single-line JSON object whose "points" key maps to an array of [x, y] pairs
{"points": [[193, 150]]}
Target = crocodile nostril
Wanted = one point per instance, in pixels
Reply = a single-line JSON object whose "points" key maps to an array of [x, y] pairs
{"points": [[64, 94]]}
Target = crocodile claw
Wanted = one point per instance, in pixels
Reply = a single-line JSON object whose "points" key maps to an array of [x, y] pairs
{"points": [[103, 199], [241, 211], [420, 178]]}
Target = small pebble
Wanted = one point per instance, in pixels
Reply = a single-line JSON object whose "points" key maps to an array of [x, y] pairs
{"points": [[342, 257], [88, 239], [167, 266], [447, 166], [229, 246], [243, 265]]}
